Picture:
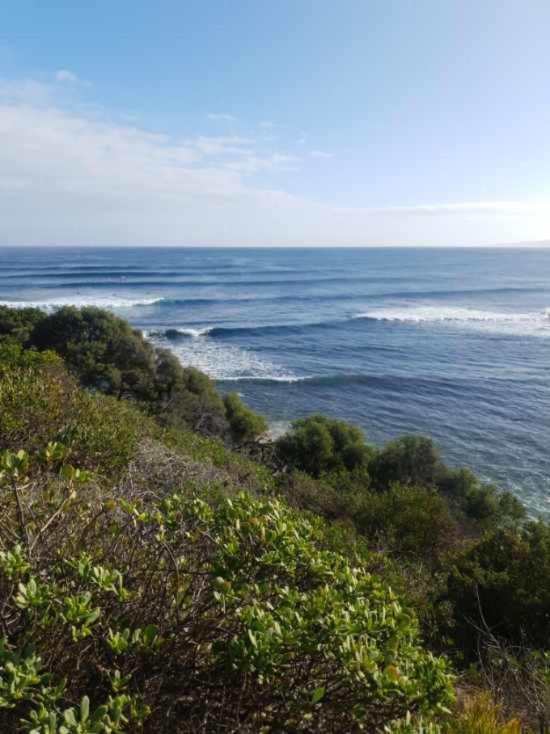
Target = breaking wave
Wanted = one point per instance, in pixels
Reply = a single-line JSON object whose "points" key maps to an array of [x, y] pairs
{"points": [[108, 302], [520, 324], [217, 359]]}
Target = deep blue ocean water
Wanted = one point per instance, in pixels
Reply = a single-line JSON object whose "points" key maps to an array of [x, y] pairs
{"points": [[452, 343]]}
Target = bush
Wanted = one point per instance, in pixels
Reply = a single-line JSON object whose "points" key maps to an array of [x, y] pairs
{"points": [[41, 403], [18, 323], [480, 715], [192, 402], [107, 355], [103, 350], [412, 522], [178, 616], [478, 501], [407, 460], [244, 424], [319, 445], [501, 583]]}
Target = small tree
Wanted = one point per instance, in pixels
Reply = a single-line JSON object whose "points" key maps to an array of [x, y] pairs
{"points": [[407, 460], [319, 445], [18, 323], [244, 424], [502, 583]]}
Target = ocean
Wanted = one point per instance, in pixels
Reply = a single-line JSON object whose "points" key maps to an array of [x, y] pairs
{"points": [[450, 343]]}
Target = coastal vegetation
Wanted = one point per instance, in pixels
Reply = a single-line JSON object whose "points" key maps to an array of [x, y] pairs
{"points": [[165, 567]]}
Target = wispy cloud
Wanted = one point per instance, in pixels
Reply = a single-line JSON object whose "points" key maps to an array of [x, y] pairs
{"points": [[64, 75], [320, 154], [273, 162], [68, 176], [221, 117], [212, 145], [26, 91]]}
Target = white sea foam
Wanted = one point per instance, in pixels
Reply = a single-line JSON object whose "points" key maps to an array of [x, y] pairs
{"points": [[219, 360], [109, 302], [520, 324], [194, 333], [277, 429]]}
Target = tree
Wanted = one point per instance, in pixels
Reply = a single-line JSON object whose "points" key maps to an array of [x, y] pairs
{"points": [[244, 424], [18, 323], [108, 355], [319, 445], [407, 460], [103, 350], [503, 582], [413, 522]]}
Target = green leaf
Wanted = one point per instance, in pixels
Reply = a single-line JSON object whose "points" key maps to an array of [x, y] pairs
{"points": [[318, 694], [85, 708]]}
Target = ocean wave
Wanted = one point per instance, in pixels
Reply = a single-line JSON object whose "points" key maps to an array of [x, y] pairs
{"points": [[261, 378], [530, 323], [176, 334], [108, 302], [527, 324], [221, 361]]}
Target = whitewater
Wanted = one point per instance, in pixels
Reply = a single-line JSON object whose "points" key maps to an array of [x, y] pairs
{"points": [[450, 343]]}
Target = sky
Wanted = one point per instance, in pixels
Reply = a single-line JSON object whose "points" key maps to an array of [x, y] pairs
{"points": [[296, 122]]}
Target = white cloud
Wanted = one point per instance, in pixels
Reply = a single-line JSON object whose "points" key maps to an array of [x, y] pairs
{"points": [[26, 91], [211, 145], [64, 75], [70, 177], [320, 154], [251, 164], [221, 117]]}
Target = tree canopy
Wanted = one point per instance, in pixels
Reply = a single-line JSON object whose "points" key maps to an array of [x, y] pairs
{"points": [[319, 445]]}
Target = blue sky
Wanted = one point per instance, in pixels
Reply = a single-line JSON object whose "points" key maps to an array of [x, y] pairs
{"points": [[295, 122]]}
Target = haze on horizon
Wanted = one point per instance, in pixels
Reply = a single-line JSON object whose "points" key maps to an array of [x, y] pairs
{"points": [[289, 123]]}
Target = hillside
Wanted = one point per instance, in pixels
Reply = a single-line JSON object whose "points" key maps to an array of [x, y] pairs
{"points": [[162, 570]]}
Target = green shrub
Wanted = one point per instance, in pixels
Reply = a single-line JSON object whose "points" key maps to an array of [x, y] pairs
{"points": [[192, 403], [244, 424], [174, 613], [41, 403], [107, 355], [478, 501], [319, 445], [406, 460], [102, 349], [18, 323], [501, 583], [412, 522]]}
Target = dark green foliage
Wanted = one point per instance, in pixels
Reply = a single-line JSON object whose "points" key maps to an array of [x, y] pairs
{"points": [[407, 460], [413, 522], [103, 350], [107, 355], [478, 501], [319, 445], [244, 424], [191, 400], [18, 323], [502, 583]]}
